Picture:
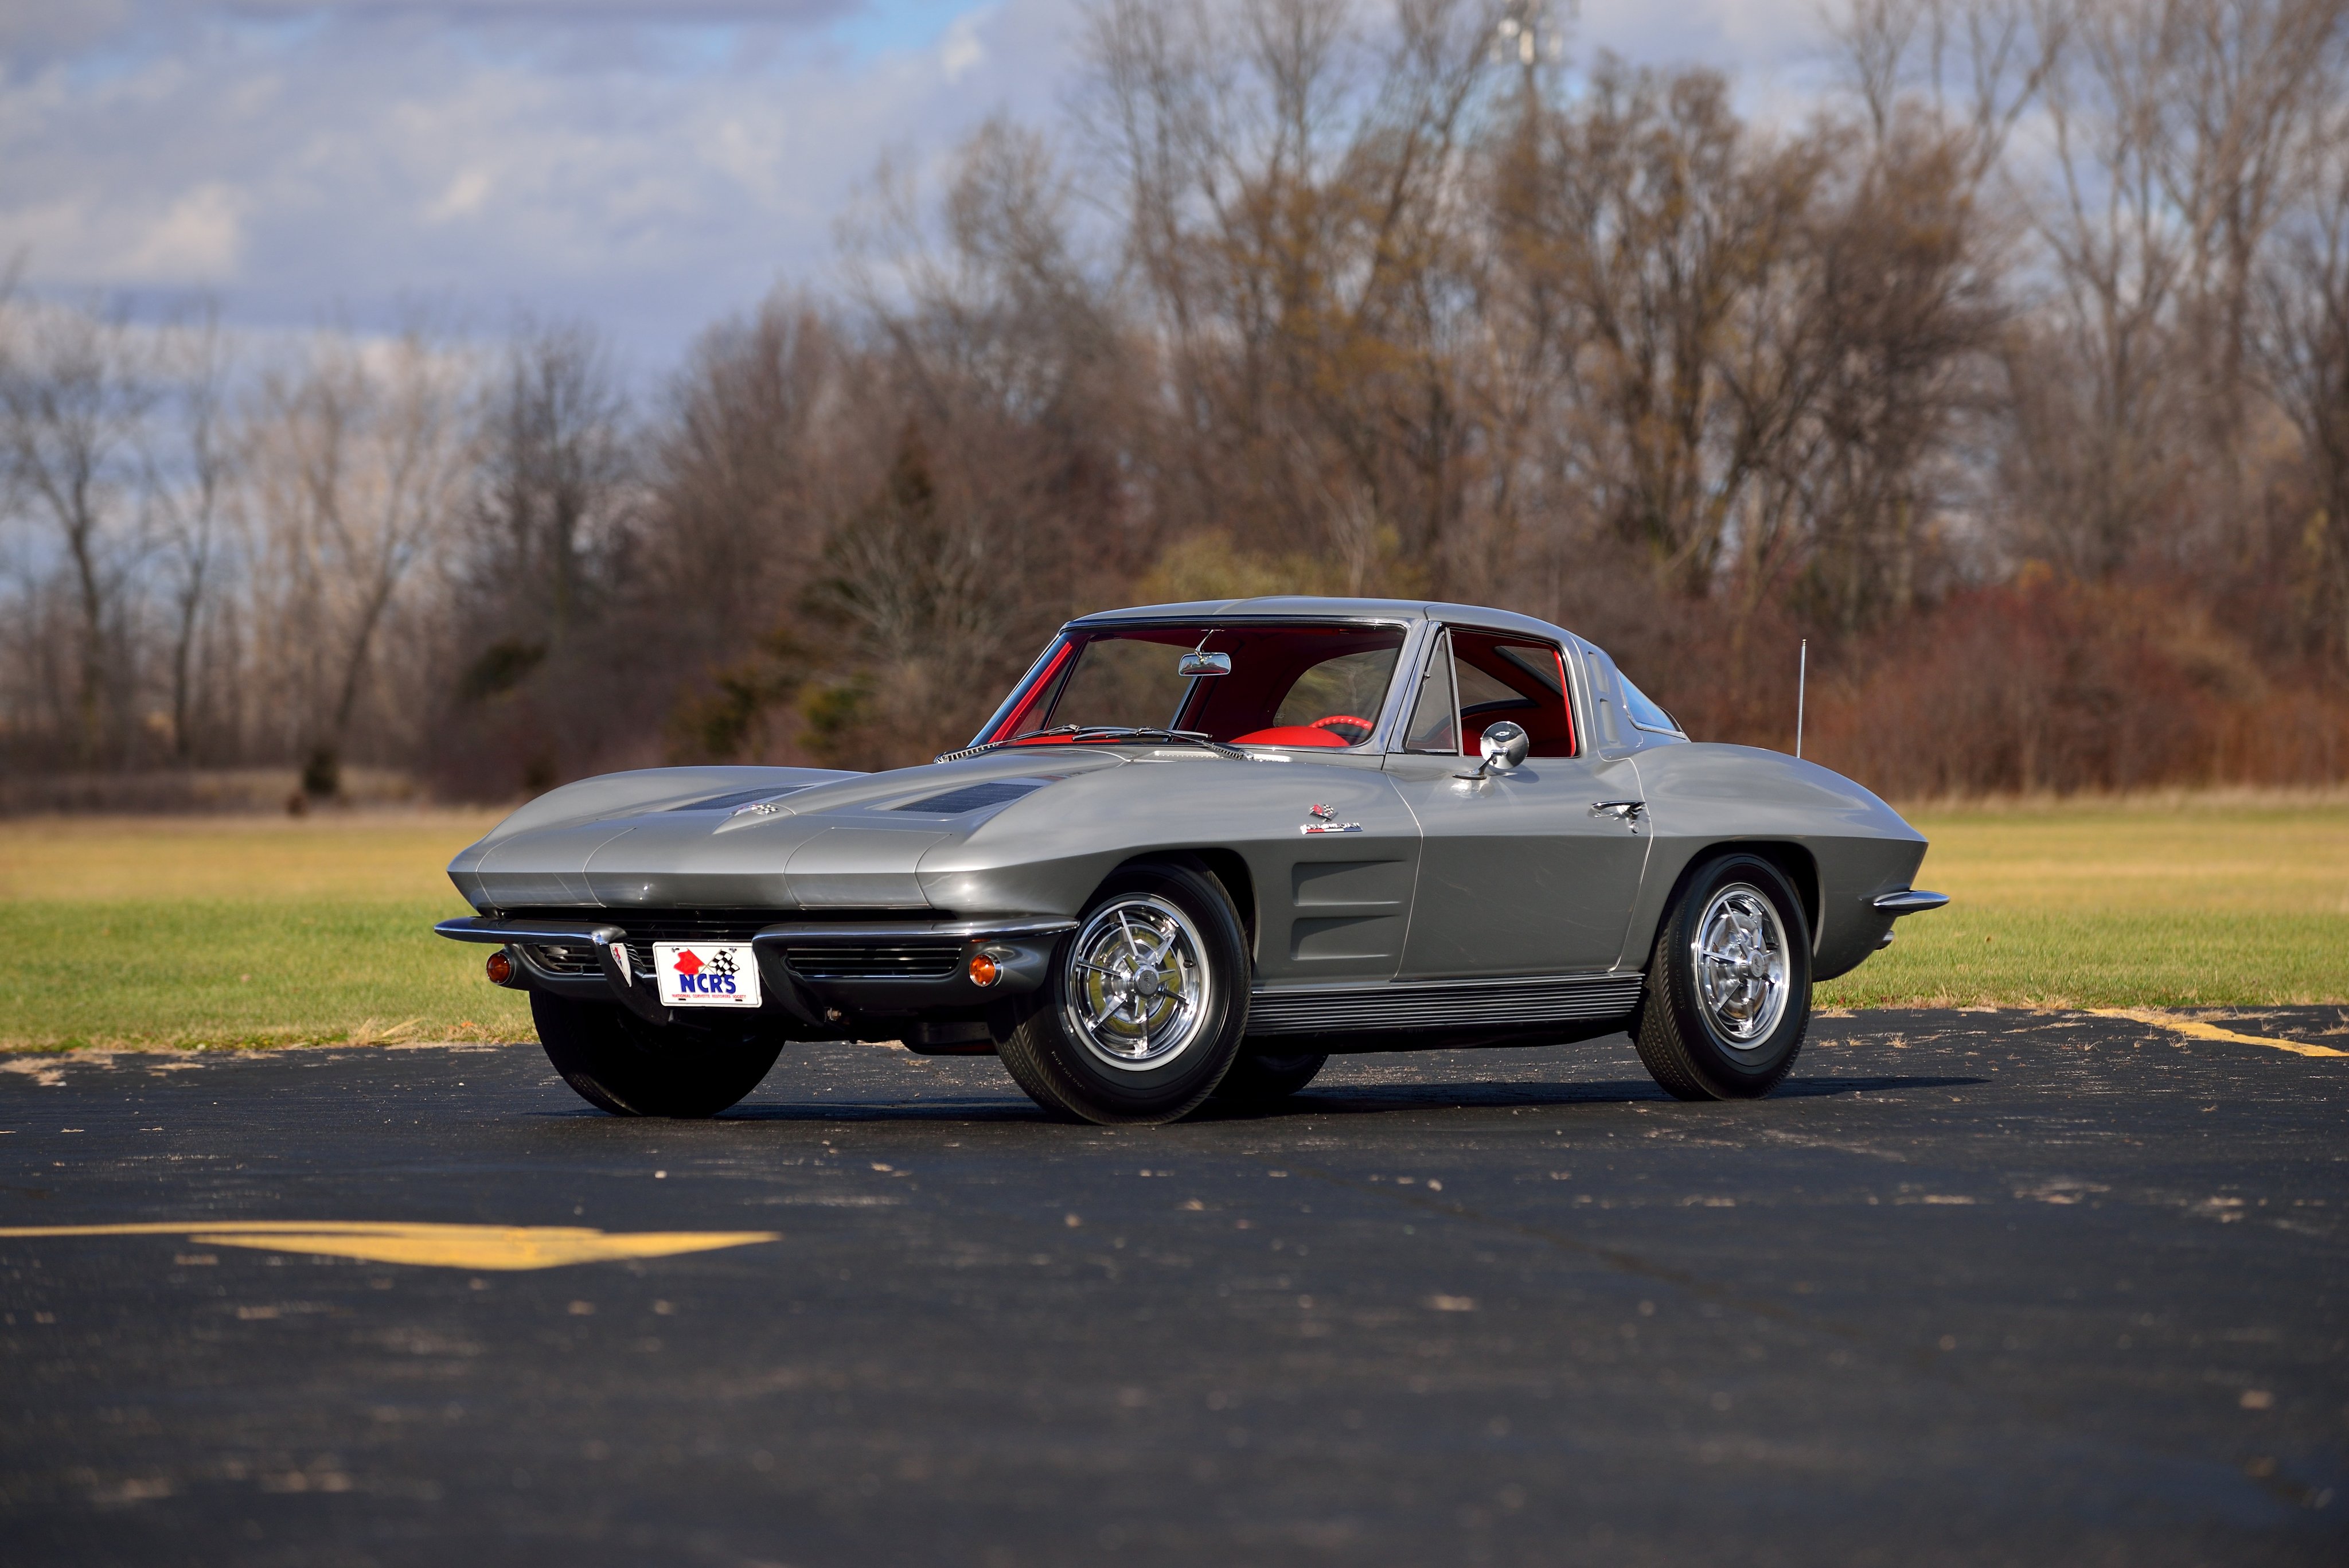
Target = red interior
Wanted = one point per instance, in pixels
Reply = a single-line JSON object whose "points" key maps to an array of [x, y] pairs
{"points": [[1290, 735], [1548, 722], [1268, 662]]}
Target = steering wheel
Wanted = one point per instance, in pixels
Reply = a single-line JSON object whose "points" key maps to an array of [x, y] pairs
{"points": [[1334, 720]]}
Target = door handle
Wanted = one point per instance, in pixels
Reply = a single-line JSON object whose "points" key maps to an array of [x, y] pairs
{"points": [[1624, 811]]}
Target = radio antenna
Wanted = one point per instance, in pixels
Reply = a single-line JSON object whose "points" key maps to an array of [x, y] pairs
{"points": [[1802, 680]]}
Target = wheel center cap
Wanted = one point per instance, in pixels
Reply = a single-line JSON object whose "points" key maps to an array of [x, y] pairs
{"points": [[1147, 984]]}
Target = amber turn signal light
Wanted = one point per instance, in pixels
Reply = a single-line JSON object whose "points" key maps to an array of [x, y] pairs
{"points": [[501, 968], [984, 970]]}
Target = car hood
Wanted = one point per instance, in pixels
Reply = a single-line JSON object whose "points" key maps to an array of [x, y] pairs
{"points": [[739, 837]]}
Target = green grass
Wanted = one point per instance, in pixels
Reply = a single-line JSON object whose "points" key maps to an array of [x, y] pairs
{"points": [[239, 933], [244, 932], [2220, 900]]}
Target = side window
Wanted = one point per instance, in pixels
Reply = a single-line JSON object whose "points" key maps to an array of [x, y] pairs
{"points": [[1434, 716], [1645, 714], [1516, 680]]}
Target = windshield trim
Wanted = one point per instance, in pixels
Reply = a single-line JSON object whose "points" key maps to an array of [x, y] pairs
{"points": [[1048, 668], [1210, 623]]}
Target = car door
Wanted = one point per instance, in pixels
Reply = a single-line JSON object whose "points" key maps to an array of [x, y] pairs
{"points": [[1520, 873]]}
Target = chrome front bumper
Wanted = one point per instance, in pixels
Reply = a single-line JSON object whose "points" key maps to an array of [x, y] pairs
{"points": [[1907, 901], [1021, 949]]}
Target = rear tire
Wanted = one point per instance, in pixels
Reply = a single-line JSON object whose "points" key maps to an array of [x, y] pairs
{"points": [[1728, 996], [1143, 1008], [1259, 1083], [618, 1062]]}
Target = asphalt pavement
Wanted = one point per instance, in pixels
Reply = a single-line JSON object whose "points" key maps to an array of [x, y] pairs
{"points": [[1971, 1288]]}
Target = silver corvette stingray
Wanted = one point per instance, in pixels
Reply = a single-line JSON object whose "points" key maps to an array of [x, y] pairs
{"points": [[1199, 848]]}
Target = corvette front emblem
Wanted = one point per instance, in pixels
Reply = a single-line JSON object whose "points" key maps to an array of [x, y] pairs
{"points": [[1324, 822]]}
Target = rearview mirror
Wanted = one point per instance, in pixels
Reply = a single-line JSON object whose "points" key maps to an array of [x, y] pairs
{"points": [[1204, 664]]}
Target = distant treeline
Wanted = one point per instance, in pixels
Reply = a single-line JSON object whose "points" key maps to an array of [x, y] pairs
{"points": [[2016, 376]]}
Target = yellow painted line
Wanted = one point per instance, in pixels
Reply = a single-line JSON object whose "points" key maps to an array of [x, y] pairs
{"points": [[2187, 1026], [427, 1245]]}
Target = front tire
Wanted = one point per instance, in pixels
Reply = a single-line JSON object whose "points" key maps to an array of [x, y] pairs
{"points": [[1142, 1009], [1728, 996], [618, 1062]]}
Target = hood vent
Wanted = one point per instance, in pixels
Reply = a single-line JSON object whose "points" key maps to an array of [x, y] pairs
{"points": [[973, 797]]}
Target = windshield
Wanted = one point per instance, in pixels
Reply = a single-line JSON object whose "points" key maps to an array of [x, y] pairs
{"points": [[1287, 685]]}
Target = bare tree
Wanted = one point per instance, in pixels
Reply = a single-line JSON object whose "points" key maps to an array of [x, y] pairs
{"points": [[1974, 66], [1910, 302], [1678, 246], [1008, 385], [192, 486], [359, 457], [557, 478], [2238, 97], [1288, 184], [75, 394], [2301, 341]]}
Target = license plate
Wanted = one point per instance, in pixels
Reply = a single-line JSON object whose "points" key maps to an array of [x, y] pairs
{"points": [[706, 974]]}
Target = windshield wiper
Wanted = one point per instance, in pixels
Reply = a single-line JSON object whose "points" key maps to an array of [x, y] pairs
{"points": [[984, 747], [1152, 732], [1081, 733]]}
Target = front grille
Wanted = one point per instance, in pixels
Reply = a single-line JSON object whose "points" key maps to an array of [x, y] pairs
{"points": [[579, 957], [905, 960], [644, 928], [908, 960]]}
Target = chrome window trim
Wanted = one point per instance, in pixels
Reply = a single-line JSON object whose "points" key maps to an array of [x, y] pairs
{"points": [[1035, 668], [1571, 649], [1376, 744], [1438, 643], [1084, 623]]}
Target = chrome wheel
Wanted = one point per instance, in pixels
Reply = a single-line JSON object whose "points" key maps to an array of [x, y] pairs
{"points": [[1138, 991], [1739, 954]]}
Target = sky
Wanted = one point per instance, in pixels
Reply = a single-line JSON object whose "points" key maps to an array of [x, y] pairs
{"points": [[652, 165]]}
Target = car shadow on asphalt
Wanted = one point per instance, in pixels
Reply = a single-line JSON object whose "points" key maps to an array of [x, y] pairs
{"points": [[1371, 1099], [1337, 1099]]}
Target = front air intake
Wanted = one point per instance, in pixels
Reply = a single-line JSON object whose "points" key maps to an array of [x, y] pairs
{"points": [[905, 960]]}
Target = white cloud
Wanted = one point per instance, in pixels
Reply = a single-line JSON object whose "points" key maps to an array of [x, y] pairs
{"points": [[198, 239], [961, 52], [652, 164], [462, 199], [382, 154]]}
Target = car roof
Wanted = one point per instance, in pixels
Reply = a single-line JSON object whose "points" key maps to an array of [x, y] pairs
{"points": [[1302, 606]]}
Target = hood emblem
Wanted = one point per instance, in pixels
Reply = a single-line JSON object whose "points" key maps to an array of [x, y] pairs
{"points": [[1325, 821]]}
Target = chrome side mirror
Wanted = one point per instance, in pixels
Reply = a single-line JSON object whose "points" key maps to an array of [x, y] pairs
{"points": [[1505, 745], [1196, 664]]}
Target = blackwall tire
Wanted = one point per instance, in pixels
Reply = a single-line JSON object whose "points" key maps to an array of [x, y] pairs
{"points": [[1143, 1011], [1260, 1083], [1728, 994], [618, 1062]]}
